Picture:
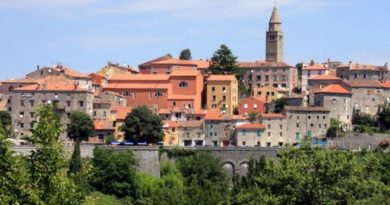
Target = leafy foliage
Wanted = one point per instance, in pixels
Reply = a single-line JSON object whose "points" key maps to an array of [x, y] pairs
{"points": [[334, 129], [48, 165], [5, 120], [185, 54], [114, 172], [384, 118], [141, 125], [81, 128], [280, 104], [252, 117]]}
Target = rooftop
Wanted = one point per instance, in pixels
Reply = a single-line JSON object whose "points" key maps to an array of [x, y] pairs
{"points": [[364, 84], [324, 77], [103, 125], [272, 115], [252, 126], [263, 64], [334, 88], [221, 78]]}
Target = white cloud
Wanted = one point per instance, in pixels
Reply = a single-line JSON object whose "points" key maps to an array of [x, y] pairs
{"points": [[43, 3]]}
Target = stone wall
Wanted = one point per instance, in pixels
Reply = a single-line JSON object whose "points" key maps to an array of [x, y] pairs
{"points": [[234, 159]]}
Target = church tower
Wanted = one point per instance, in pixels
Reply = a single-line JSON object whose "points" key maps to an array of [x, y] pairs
{"points": [[274, 38]]}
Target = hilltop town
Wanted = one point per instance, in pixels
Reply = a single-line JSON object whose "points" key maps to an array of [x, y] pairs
{"points": [[218, 102]]}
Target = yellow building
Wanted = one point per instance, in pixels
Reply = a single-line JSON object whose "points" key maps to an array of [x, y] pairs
{"points": [[222, 93], [118, 116], [171, 137], [268, 94]]}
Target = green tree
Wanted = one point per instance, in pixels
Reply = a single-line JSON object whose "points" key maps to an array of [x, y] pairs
{"points": [[280, 104], [334, 129], [384, 118], [141, 125], [5, 120], [80, 129], [252, 117], [185, 54], [114, 172], [299, 67], [223, 61], [205, 180], [15, 187], [48, 164]]}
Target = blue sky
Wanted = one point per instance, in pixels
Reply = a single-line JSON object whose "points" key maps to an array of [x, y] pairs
{"points": [[85, 34]]}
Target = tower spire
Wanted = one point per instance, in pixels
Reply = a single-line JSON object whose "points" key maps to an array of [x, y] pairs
{"points": [[274, 38]]}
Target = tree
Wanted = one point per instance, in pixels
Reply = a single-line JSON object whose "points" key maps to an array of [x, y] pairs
{"points": [[5, 120], [205, 180], [15, 187], [81, 128], [141, 125], [224, 62], [299, 67], [114, 172], [48, 164], [280, 104], [384, 118], [252, 117], [334, 129], [185, 54]]}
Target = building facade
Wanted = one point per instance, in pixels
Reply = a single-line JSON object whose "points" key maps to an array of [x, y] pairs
{"points": [[275, 133], [222, 93], [250, 135]]}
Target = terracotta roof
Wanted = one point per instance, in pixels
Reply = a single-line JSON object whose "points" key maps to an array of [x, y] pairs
{"points": [[216, 115], [334, 88], [324, 77], [357, 66], [364, 84], [386, 84], [221, 78], [20, 81], [154, 86], [103, 125], [271, 88], [170, 123], [121, 112], [53, 83], [306, 109], [74, 73], [250, 99], [174, 61], [140, 77], [261, 64], [239, 117], [251, 126], [164, 57], [314, 67], [272, 115], [185, 72]]}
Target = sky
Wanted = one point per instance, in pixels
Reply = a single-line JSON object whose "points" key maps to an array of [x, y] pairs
{"points": [[86, 34]]}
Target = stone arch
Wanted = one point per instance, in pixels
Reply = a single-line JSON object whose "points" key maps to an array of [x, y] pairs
{"points": [[229, 167], [244, 165]]}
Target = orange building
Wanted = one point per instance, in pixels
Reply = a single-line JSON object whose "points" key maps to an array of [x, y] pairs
{"points": [[249, 105], [181, 89], [165, 65]]}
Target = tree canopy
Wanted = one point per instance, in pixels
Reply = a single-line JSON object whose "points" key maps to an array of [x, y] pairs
{"points": [[81, 126], [5, 120], [141, 125], [185, 54]]}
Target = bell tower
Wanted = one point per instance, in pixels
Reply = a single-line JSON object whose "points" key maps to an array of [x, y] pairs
{"points": [[274, 38]]}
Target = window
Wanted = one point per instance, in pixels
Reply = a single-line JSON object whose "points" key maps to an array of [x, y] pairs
{"points": [[223, 89], [21, 125], [258, 92], [158, 94], [81, 103], [258, 144], [32, 114], [22, 103], [309, 117], [334, 101], [355, 76], [245, 106], [214, 98], [32, 124], [269, 134], [213, 89], [254, 106], [243, 143], [281, 134], [32, 103], [174, 103], [268, 144], [258, 133], [281, 126], [269, 126], [68, 103], [243, 132], [297, 124], [311, 125], [104, 114], [318, 117], [183, 84], [21, 114], [266, 78], [323, 117], [224, 98], [214, 106], [258, 77], [94, 113], [297, 117]]}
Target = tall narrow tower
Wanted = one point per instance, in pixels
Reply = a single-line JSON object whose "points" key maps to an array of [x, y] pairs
{"points": [[274, 38]]}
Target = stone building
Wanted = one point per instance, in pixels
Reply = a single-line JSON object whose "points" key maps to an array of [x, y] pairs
{"points": [[311, 70], [275, 133], [306, 122], [338, 100], [190, 133], [165, 65], [273, 71], [250, 135], [318, 82], [274, 38], [103, 129], [222, 93], [275, 74], [360, 72], [218, 128], [367, 96], [66, 96], [103, 104]]}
